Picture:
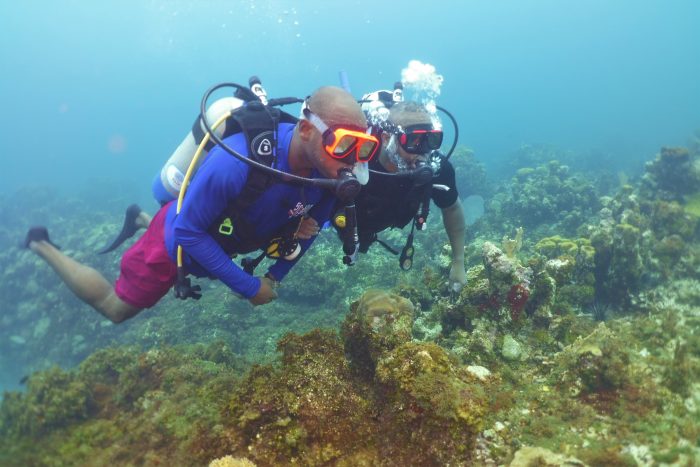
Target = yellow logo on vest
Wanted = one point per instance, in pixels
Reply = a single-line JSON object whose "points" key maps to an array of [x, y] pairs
{"points": [[226, 227]]}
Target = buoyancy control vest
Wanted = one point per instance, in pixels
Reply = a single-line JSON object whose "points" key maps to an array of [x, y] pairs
{"points": [[256, 116], [249, 114]]}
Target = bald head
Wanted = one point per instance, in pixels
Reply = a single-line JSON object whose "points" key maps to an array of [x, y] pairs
{"points": [[336, 106]]}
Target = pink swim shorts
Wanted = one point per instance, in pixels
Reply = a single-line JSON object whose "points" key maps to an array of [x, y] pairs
{"points": [[147, 272]]}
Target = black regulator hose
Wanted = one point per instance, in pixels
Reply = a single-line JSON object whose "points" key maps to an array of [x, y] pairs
{"points": [[343, 186], [456, 128]]}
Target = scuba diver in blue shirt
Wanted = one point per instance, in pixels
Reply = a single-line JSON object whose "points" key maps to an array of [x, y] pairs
{"points": [[231, 209], [408, 172]]}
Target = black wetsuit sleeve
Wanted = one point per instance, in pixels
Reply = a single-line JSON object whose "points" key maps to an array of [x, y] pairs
{"points": [[445, 199]]}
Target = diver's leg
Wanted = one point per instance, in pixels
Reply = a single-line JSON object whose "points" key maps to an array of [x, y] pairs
{"points": [[85, 282]]}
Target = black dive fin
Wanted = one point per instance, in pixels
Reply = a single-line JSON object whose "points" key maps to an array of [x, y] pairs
{"points": [[37, 234], [128, 229]]}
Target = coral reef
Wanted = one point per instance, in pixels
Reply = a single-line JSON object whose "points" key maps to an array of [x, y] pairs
{"points": [[156, 403], [501, 290], [471, 174], [310, 407], [640, 242], [546, 200], [673, 173]]}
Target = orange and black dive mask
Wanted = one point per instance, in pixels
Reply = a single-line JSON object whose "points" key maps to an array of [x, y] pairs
{"points": [[344, 142], [420, 138]]}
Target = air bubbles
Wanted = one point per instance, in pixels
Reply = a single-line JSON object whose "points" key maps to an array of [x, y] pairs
{"points": [[422, 77], [424, 83]]}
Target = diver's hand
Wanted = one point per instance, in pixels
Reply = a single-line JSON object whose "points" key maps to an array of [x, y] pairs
{"points": [[307, 228], [458, 277], [266, 293]]}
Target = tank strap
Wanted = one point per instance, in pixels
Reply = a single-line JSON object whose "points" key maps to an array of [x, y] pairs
{"points": [[259, 124]]}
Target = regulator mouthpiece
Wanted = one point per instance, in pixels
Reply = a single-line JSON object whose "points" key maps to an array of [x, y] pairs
{"points": [[361, 172], [347, 187]]}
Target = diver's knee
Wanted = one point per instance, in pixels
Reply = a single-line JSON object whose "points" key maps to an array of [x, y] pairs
{"points": [[115, 309]]}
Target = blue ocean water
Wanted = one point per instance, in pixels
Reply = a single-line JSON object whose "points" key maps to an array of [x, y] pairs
{"points": [[106, 90]]}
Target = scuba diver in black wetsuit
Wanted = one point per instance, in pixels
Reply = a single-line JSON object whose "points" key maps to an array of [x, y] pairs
{"points": [[408, 172]]}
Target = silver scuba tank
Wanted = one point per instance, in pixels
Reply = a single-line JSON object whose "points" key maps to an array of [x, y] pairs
{"points": [[168, 182]]}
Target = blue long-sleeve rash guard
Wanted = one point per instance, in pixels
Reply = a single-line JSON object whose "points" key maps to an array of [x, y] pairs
{"points": [[217, 182]]}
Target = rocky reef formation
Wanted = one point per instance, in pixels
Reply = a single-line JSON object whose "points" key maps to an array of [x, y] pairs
{"points": [[645, 236], [674, 173], [312, 406], [547, 200], [471, 174]]}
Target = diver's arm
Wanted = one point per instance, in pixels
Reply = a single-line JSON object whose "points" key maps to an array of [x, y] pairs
{"points": [[321, 213], [455, 227], [453, 220], [219, 180]]}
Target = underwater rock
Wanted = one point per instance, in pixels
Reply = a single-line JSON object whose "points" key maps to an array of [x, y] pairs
{"points": [[618, 260], [425, 329], [230, 461], [54, 399], [598, 363], [529, 456], [439, 405], [511, 349], [670, 218], [42, 326], [476, 346], [19, 340], [308, 408], [673, 173], [479, 371], [420, 408], [377, 323], [503, 270]]}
